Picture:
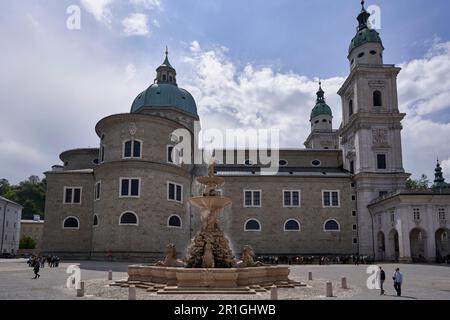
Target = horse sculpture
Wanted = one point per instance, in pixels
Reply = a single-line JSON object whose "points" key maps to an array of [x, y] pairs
{"points": [[170, 259], [248, 260]]}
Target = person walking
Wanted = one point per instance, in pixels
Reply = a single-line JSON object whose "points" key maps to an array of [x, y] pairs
{"points": [[382, 278], [398, 280], [36, 269]]}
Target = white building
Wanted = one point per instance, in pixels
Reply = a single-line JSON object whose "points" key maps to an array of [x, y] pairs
{"points": [[10, 216]]}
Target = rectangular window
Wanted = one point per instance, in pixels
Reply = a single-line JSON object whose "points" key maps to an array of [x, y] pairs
{"points": [[72, 195], [127, 151], [68, 196], [97, 190], [291, 198], [379, 220], [129, 187], [441, 214], [102, 154], [381, 161], [352, 166], [330, 198], [353, 213], [416, 214], [134, 187], [392, 217], [174, 192], [252, 198], [354, 227], [382, 193], [137, 149], [169, 154], [132, 149], [355, 240]]}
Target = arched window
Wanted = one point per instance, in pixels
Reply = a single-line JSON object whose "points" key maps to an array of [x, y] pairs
{"points": [[350, 108], [331, 225], [377, 102], [95, 220], [132, 149], [71, 223], [174, 221], [292, 225], [128, 218], [252, 225]]}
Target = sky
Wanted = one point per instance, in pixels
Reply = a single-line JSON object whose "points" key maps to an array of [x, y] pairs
{"points": [[248, 64]]}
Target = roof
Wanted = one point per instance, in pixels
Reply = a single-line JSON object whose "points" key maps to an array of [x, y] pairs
{"points": [[320, 109], [32, 221], [364, 36], [9, 201], [282, 171], [161, 96], [428, 192]]}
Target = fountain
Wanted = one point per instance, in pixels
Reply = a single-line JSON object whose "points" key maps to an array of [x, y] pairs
{"points": [[209, 264]]}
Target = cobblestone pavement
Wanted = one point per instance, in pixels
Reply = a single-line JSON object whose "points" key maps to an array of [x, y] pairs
{"points": [[420, 282]]}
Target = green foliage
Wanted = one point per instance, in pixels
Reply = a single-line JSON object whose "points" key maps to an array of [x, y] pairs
{"points": [[27, 243], [29, 193], [421, 184]]}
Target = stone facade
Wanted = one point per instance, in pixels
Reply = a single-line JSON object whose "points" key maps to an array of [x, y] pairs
{"points": [[10, 215], [33, 229]]}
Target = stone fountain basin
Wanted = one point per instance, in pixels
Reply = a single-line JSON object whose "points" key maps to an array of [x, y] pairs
{"points": [[208, 278], [210, 203]]}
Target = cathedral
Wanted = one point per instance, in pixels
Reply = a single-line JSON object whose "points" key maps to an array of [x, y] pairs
{"points": [[344, 194]]}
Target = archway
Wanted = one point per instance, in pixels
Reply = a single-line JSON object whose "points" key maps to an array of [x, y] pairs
{"points": [[381, 245], [394, 245], [442, 238], [417, 239]]}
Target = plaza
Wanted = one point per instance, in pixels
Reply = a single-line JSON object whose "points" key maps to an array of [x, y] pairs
{"points": [[421, 282]]}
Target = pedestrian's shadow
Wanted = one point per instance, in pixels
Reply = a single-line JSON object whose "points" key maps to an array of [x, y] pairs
{"points": [[406, 297]]}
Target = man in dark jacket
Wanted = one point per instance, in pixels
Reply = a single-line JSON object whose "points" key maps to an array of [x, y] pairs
{"points": [[382, 278], [36, 269]]}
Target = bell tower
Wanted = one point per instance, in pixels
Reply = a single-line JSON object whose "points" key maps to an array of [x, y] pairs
{"points": [[370, 134]]}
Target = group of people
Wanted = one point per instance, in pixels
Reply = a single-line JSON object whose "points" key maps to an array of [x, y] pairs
{"points": [[37, 263], [397, 278], [321, 260]]}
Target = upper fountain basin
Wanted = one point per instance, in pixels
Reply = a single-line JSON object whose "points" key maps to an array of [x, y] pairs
{"points": [[210, 203]]}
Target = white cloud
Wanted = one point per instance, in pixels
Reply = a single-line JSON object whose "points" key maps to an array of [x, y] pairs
{"points": [[255, 97], [136, 24], [148, 4], [156, 23], [99, 9]]}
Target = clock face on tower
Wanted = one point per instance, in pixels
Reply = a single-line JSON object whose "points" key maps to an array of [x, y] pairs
{"points": [[380, 136]]}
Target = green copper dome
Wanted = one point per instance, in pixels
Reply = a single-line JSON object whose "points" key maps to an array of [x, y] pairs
{"points": [[364, 34], [165, 93], [321, 107], [161, 96]]}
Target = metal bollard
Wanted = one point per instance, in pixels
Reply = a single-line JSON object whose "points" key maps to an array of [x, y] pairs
{"points": [[132, 292], [110, 275], [310, 276], [344, 283], [80, 290], [329, 290], [274, 293]]}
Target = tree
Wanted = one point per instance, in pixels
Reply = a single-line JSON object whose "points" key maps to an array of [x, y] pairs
{"points": [[4, 186], [420, 184], [29, 193], [27, 243]]}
